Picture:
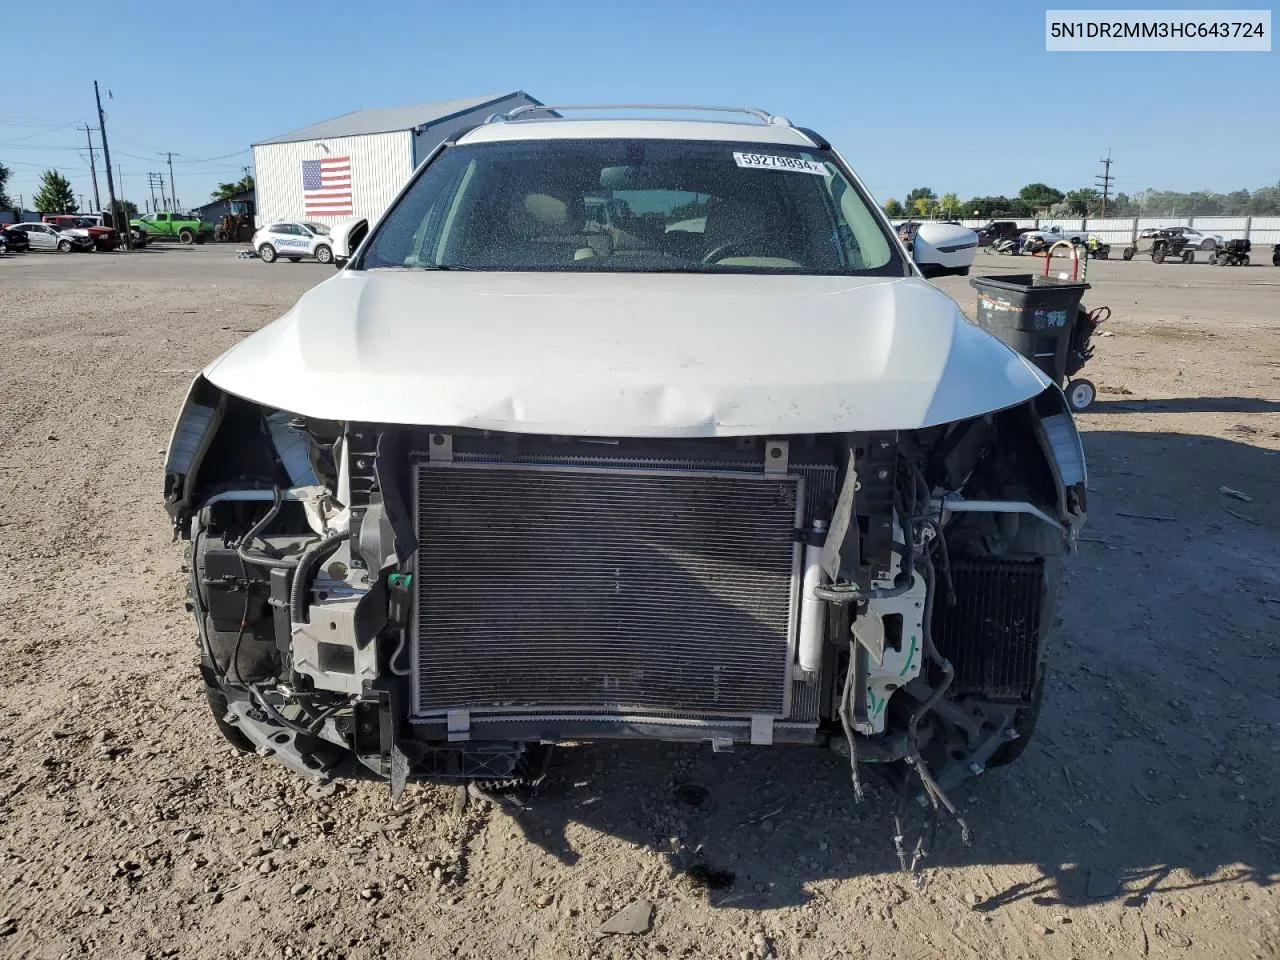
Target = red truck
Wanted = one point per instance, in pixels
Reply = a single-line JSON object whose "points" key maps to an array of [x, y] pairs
{"points": [[104, 238]]}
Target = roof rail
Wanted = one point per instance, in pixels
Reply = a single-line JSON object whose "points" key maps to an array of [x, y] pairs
{"points": [[762, 115]]}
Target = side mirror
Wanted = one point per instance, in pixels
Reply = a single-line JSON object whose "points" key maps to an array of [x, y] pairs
{"points": [[942, 248], [347, 237]]}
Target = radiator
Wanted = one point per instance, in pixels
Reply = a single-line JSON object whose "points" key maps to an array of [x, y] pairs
{"points": [[600, 591], [991, 634]]}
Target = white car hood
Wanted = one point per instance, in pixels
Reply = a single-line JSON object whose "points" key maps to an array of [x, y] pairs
{"points": [[643, 355]]}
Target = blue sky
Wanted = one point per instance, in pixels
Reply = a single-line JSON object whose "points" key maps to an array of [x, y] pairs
{"points": [[954, 96]]}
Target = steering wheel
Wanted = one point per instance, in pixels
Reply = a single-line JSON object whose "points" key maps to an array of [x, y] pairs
{"points": [[719, 252]]}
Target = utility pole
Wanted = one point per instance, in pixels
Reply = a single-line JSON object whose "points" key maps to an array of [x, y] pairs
{"points": [[1104, 182], [173, 190], [93, 171], [111, 184], [151, 182]]}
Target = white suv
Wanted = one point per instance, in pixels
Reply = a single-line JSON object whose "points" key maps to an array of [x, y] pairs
{"points": [[292, 240], [720, 467]]}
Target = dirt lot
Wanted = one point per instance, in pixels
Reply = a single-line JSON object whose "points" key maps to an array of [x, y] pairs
{"points": [[1143, 820]]}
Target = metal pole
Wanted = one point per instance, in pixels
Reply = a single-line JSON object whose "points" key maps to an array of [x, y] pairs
{"points": [[111, 184], [173, 189], [93, 171]]}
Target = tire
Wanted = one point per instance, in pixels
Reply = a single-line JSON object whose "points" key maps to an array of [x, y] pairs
{"points": [[1126, 253], [1157, 254], [64, 246], [267, 252], [1081, 394], [1188, 256], [324, 254], [221, 236], [218, 707], [1024, 722], [1244, 261], [1207, 245], [186, 236], [1275, 259]]}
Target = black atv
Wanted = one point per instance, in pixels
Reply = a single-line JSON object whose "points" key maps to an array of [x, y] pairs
{"points": [[1162, 245], [1233, 253]]}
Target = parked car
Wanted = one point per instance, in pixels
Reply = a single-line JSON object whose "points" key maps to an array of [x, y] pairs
{"points": [[498, 484], [1163, 244], [292, 240], [184, 228], [1197, 240], [1051, 235], [43, 236], [996, 230], [137, 236], [13, 241], [104, 238]]}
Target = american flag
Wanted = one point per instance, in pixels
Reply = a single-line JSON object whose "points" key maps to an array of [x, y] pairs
{"points": [[326, 187]]}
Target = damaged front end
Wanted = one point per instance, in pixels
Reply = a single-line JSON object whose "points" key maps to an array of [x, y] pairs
{"points": [[444, 603]]}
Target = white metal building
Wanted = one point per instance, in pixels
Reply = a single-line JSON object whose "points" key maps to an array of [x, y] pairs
{"points": [[354, 165]]}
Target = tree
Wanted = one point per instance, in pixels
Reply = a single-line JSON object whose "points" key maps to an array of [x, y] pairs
{"points": [[227, 190], [892, 208], [128, 209], [54, 195], [1039, 195], [5, 202], [949, 204], [1082, 203]]}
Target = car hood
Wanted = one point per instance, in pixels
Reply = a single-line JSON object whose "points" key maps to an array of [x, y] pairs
{"points": [[608, 354]]}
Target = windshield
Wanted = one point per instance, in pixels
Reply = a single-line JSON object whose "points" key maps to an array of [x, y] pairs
{"points": [[319, 228], [634, 206]]}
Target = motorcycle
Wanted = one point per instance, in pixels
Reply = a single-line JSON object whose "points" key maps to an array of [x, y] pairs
{"points": [[1006, 246]]}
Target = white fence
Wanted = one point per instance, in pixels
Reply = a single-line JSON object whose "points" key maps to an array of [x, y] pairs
{"points": [[1261, 231]]}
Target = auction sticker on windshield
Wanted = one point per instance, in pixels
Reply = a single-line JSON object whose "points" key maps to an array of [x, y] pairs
{"points": [[765, 161]]}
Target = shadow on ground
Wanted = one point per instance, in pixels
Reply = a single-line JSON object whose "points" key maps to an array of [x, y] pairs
{"points": [[1188, 405], [1155, 761]]}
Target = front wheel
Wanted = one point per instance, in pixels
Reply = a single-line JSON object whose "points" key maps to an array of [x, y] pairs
{"points": [[1244, 261], [324, 254], [267, 252], [1157, 255], [1126, 253], [1081, 394], [1189, 256], [64, 246], [1207, 244], [186, 236]]}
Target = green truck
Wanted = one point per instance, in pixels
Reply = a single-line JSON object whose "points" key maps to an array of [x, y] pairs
{"points": [[185, 228]]}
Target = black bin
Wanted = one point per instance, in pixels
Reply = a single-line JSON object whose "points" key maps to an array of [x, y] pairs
{"points": [[1033, 314]]}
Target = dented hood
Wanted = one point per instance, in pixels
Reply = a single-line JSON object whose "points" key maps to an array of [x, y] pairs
{"points": [[644, 355]]}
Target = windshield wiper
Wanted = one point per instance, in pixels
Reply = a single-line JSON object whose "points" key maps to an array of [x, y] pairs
{"points": [[419, 266]]}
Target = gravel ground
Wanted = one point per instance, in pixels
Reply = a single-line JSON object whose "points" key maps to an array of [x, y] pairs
{"points": [[1141, 822]]}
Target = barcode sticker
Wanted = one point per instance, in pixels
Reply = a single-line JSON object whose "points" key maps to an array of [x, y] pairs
{"points": [[767, 161]]}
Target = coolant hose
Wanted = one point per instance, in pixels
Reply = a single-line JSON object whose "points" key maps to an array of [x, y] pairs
{"points": [[306, 563]]}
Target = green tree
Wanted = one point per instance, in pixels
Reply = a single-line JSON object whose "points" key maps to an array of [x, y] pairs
{"points": [[1039, 195], [227, 190], [920, 200], [949, 205], [5, 202], [1082, 203], [128, 209], [54, 195], [893, 209]]}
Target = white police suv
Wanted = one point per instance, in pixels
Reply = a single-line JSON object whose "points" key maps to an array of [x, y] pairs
{"points": [[293, 240]]}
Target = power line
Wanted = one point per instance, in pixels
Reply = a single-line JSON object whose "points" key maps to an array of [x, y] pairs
{"points": [[1105, 181]]}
